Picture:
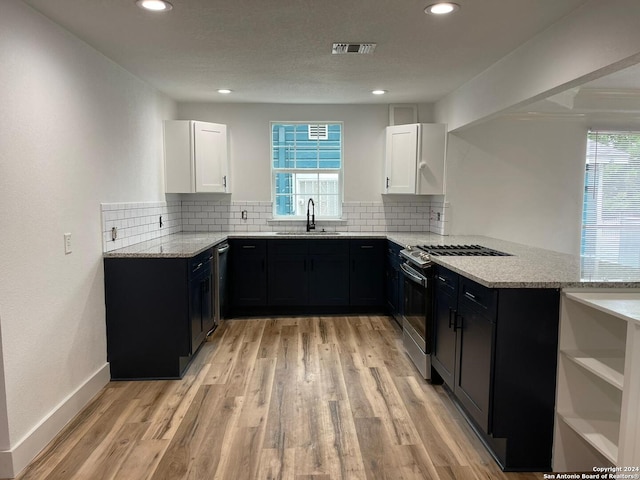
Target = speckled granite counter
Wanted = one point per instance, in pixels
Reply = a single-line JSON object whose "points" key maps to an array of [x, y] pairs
{"points": [[528, 267]]}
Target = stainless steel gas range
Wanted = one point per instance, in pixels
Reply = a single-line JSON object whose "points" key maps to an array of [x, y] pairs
{"points": [[417, 304]]}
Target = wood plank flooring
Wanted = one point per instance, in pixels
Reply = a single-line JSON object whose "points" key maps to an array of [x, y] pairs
{"points": [[322, 398]]}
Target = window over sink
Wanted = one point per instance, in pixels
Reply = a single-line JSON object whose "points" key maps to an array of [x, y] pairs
{"points": [[306, 162]]}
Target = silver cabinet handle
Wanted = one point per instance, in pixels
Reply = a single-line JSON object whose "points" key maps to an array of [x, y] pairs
{"points": [[248, 246], [441, 279], [470, 295]]}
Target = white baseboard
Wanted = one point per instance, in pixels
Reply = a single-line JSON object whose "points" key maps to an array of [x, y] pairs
{"points": [[13, 461]]}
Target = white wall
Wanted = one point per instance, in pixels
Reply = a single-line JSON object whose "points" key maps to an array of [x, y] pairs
{"points": [[75, 130], [518, 180], [364, 139], [596, 39]]}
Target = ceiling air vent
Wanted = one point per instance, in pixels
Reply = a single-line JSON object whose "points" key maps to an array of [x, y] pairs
{"points": [[359, 48]]}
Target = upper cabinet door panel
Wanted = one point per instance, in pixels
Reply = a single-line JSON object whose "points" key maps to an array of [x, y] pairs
{"points": [[210, 150], [179, 170], [431, 159], [402, 150], [196, 157]]}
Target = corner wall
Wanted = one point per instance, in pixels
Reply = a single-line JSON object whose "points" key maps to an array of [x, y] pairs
{"points": [[75, 130], [518, 180]]}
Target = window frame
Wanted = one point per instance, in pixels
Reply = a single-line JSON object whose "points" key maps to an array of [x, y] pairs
{"points": [[315, 171]]}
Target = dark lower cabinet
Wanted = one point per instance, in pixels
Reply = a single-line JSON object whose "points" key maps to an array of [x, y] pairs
{"points": [[248, 273], [158, 312], [393, 279], [308, 272], [496, 350], [280, 276], [443, 353], [288, 272], [201, 313], [366, 277], [475, 334], [328, 273]]}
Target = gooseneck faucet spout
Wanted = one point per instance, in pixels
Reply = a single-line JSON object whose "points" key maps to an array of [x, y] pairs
{"points": [[311, 225]]}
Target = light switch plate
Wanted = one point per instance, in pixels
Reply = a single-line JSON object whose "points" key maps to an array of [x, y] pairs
{"points": [[67, 243]]}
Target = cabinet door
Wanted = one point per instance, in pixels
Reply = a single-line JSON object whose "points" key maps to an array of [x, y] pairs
{"points": [[393, 279], [198, 290], [328, 272], [211, 160], [433, 141], [288, 272], [248, 273], [329, 279], [366, 279], [401, 158], [179, 170], [443, 356], [288, 280], [473, 380]]}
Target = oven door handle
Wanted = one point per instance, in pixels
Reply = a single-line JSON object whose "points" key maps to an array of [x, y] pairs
{"points": [[413, 276]]}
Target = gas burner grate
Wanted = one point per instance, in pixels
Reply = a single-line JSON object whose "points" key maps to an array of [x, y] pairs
{"points": [[461, 251]]}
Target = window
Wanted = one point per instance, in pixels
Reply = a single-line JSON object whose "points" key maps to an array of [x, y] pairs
{"points": [[306, 162], [611, 212]]}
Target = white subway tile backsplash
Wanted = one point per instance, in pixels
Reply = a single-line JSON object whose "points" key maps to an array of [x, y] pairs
{"points": [[139, 221]]}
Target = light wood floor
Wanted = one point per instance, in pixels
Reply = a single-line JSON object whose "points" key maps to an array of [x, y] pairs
{"points": [[288, 398]]}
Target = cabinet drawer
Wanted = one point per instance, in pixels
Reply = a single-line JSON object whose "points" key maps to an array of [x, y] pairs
{"points": [[288, 247], [446, 280], [367, 245], [328, 247], [241, 245], [478, 297], [199, 260]]}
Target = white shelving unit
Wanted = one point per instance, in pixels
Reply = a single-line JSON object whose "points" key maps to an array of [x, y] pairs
{"points": [[598, 391]]}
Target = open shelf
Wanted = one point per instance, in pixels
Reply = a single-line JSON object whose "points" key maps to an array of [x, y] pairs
{"points": [[623, 305], [599, 430], [597, 391], [606, 364]]}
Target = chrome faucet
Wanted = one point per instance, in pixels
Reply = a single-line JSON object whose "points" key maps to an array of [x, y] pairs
{"points": [[311, 225]]}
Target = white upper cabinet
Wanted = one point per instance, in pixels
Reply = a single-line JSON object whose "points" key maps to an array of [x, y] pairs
{"points": [[196, 157], [414, 162]]}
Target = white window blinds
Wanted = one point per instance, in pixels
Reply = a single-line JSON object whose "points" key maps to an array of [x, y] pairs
{"points": [[611, 213]]}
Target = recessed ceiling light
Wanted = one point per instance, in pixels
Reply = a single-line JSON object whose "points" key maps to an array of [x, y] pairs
{"points": [[441, 8], [224, 90], [154, 5], [378, 92]]}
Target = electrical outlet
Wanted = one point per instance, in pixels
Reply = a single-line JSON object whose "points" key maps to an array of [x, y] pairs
{"points": [[244, 214], [160, 221], [114, 234], [67, 243]]}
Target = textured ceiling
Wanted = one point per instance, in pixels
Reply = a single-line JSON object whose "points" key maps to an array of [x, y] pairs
{"points": [[279, 51]]}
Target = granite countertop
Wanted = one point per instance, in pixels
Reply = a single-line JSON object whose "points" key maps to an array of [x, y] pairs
{"points": [[527, 267]]}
